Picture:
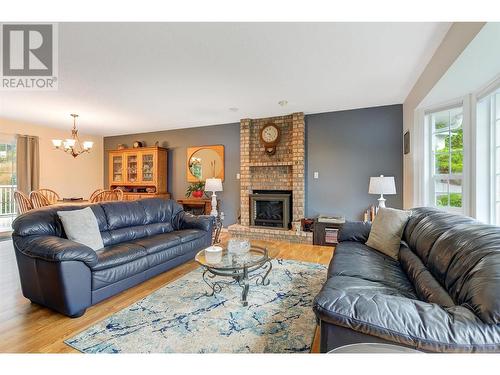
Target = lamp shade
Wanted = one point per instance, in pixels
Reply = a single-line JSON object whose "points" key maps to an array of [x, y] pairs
{"points": [[382, 185], [87, 145], [213, 184]]}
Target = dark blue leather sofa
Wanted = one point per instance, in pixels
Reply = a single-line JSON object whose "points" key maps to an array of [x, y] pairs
{"points": [[141, 239], [441, 295]]}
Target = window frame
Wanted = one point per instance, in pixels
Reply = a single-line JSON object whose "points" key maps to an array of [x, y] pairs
{"points": [[494, 147], [429, 156], [479, 186]]}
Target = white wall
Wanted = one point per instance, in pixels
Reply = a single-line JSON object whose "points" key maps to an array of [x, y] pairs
{"points": [[453, 44], [70, 177], [475, 68]]}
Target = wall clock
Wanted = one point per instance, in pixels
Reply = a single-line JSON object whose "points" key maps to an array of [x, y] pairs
{"points": [[270, 137]]}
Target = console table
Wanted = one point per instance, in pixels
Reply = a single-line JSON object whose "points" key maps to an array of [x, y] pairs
{"points": [[325, 234], [196, 206]]}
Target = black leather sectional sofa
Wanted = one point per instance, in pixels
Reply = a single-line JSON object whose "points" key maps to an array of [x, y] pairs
{"points": [[141, 238], [443, 295]]}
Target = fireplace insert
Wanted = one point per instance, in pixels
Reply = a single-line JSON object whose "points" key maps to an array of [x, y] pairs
{"points": [[271, 208]]}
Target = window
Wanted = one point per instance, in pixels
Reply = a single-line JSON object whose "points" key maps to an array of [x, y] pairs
{"points": [[491, 107], [7, 181], [495, 162], [446, 158]]}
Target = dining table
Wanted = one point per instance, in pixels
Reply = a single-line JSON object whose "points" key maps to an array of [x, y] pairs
{"points": [[71, 202]]}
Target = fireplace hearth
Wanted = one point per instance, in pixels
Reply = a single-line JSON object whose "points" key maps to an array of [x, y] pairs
{"points": [[271, 208]]}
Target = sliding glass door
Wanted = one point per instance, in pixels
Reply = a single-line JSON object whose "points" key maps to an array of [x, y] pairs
{"points": [[7, 181]]}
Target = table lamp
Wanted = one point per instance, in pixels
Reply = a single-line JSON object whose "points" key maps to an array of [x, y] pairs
{"points": [[213, 185], [382, 185]]}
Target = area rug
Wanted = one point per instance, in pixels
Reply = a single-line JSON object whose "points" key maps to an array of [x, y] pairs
{"points": [[180, 318]]}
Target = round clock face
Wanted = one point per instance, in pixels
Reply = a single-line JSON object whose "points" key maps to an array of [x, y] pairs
{"points": [[269, 134]]}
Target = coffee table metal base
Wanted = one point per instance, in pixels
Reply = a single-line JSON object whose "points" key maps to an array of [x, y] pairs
{"points": [[242, 277]]}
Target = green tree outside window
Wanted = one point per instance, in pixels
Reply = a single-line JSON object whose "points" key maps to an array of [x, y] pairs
{"points": [[449, 159]]}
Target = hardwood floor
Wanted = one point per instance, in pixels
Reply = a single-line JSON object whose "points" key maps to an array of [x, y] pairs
{"points": [[26, 327]]}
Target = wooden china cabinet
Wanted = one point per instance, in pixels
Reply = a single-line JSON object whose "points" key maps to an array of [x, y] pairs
{"points": [[139, 172]]}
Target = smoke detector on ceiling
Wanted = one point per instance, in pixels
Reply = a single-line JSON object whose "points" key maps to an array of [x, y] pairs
{"points": [[283, 103]]}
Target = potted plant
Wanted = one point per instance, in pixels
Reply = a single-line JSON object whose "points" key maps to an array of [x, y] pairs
{"points": [[196, 189]]}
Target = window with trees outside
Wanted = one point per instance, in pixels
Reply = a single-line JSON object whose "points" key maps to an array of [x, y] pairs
{"points": [[447, 156], [494, 115], [7, 181]]}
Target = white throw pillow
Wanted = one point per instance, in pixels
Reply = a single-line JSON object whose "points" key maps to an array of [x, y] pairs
{"points": [[387, 230], [81, 226]]}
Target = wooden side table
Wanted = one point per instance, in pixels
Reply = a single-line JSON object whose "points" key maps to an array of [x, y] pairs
{"points": [[325, 234], [196, 206]]}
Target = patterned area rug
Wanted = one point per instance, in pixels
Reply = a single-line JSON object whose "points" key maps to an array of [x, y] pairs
{"points": [[180, 318]]}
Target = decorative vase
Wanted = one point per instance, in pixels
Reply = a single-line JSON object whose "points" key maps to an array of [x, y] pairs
{"points": [[197, 193], [238, 246]]}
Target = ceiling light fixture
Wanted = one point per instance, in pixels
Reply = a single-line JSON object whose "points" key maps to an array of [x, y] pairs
{"points": [[72, 145]]}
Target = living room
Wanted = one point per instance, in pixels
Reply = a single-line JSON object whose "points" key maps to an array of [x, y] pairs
{"points": [[249, 188]]}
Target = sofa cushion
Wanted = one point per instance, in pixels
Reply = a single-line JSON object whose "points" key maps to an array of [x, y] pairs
{"points": [[426, 225], [128, 234], [386, 231], [159, 242], [466, 260], [128, 221], [160, 210], [187, 235], [115, 255], [426, 286], [355, 231], [189, 247], [124, 214], [167, 254], [383, 313], [108, 276], [357, 260]]}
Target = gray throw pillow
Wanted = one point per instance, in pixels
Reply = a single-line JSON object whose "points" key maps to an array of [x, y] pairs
{"points": [[387, 230], [81, 226]]}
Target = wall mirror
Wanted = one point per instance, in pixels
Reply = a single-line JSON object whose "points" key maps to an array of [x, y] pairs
{"points": [[205, 162]]}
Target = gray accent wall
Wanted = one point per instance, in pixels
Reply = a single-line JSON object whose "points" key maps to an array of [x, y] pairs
{"points": [[177, 142], [346, 148]]}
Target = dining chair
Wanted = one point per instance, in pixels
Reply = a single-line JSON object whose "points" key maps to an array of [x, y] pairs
{"points": [[23, 202], [51, 195], [107, 195], [97, 191], [38, 199], [120, 194]]}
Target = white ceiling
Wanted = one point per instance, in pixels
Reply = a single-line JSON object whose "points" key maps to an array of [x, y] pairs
{"points": [[137, 77], [475, 68]]}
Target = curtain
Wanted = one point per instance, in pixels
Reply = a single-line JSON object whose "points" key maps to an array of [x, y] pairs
{"points": [[28, 163]]}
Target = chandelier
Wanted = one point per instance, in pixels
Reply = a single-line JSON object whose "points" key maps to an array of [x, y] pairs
{"points": [[72, 145]]}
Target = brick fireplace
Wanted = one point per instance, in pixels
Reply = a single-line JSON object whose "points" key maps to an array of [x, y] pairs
{"points": [[283, 171]]}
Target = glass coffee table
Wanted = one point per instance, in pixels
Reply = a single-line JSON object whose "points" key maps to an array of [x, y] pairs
{"points": [[241, 269]]}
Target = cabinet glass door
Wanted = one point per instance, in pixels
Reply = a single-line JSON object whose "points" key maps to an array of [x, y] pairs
{"points": [[117, 168], [132, 166], [147, 167]]}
